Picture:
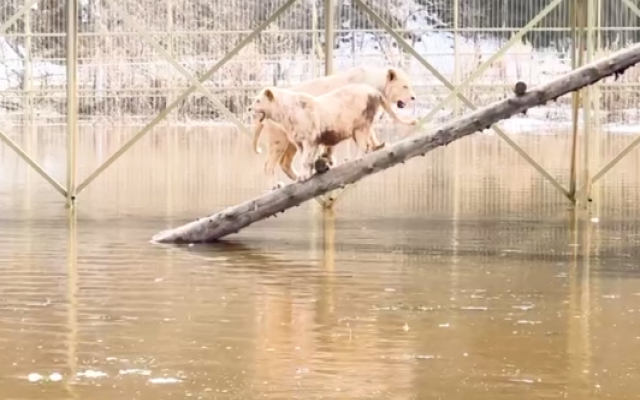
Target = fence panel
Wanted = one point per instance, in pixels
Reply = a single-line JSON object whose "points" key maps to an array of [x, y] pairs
{"points": [[616, 193], [32, 96], [198, 157], [462, 40]]}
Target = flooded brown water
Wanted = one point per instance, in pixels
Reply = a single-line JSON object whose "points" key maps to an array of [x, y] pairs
{"points": [[451, 277]]}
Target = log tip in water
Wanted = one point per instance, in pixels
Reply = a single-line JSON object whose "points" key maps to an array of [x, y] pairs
{"points": [[161, 237], [190, 233]]}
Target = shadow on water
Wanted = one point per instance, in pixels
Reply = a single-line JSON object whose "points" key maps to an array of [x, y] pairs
{"points": [[486, 297]]}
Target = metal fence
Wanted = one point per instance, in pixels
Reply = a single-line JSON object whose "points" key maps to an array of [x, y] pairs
{"points": [[83, 82]]}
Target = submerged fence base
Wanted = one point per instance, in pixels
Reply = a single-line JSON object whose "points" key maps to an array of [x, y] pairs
{"points": [[235, 218]]}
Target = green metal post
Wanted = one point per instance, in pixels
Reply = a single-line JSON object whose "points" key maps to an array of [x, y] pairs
{"points": [[72, 99]]}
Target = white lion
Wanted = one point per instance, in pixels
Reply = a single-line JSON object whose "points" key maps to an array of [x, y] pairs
{"points": [[393, 82], [310, 121]]}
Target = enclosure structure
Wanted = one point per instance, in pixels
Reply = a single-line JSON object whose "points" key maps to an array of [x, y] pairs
{"points": [[167, 74]]}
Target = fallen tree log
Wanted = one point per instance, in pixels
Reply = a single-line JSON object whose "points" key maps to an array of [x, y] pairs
{"points": [[235, 218]]}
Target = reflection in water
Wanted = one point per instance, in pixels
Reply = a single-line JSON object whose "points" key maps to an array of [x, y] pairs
{"points": [[355, 303]]}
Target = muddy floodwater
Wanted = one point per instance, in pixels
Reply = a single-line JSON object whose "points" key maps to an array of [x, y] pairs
{"points": [[424, 283]]}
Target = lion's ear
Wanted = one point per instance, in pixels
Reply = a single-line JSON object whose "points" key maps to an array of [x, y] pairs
{"points": [[269, 94], [391, 74]]}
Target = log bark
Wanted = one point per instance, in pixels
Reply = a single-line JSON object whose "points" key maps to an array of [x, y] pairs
{"points": [[233, 219]]}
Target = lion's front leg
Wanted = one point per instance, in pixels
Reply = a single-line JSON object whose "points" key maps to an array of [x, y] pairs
{"points": [[373, 143], [309, 155]]}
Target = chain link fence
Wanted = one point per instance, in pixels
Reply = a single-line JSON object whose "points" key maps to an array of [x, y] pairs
{"points": [[137, 58]]}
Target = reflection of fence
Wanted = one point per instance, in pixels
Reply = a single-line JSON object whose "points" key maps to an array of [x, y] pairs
{"points": [[130, 63], [190, 171]]}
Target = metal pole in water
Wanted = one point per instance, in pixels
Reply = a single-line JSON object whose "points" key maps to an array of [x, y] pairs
{"points": [[587, 105], [576, 61], [72, 99], [28, 122]]}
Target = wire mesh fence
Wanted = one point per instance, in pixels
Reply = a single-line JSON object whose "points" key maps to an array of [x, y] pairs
{"points": [[126, 76]]}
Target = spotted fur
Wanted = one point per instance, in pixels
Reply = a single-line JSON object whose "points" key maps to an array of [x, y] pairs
{"points": [[393, 82], [328, 119]]}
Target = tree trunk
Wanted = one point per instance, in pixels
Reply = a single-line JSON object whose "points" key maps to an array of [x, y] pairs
{"points": [[235, 218]]}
